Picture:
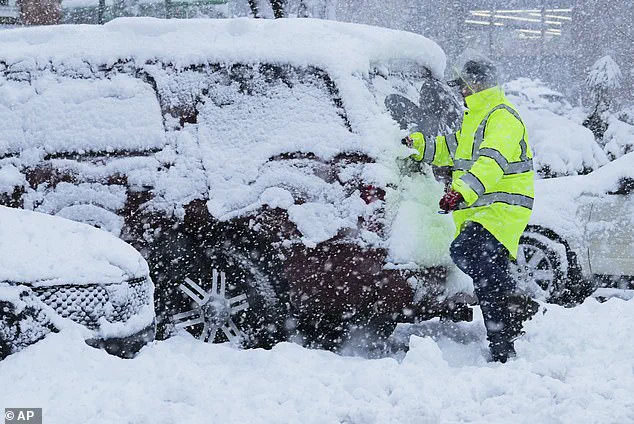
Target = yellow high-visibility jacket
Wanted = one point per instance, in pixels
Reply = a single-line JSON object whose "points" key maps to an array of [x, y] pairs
{"points": [[492, 166]]}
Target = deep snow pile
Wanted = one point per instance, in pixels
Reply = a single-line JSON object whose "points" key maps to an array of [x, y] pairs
{"points": [[574, 365]]}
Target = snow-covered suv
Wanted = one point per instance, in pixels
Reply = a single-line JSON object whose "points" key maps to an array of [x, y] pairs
{"points": [[248, 161], [52, 268]]}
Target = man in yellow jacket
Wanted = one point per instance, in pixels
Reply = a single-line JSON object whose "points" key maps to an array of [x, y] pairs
{"points": [[491, 197]]}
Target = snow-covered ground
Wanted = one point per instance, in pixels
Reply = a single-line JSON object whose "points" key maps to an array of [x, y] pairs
{"points": [[574, 365]]}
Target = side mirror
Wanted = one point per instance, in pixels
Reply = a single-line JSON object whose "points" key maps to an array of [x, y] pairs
{"points": [[625, 186]]}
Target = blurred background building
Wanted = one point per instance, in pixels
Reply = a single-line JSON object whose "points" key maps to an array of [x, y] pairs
{"points": [[552, 40]]}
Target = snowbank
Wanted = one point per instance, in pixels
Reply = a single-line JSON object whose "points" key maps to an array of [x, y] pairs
{"points": [[574, 365], [39, 249], [533, 94], [561, 146]]}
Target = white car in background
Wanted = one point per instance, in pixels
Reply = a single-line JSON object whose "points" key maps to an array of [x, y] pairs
{"points": [[581, 234], [56, 273]]}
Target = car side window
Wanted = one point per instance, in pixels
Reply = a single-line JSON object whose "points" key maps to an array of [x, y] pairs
{"points": [[183, 92], [241, 116], [70, 115]]}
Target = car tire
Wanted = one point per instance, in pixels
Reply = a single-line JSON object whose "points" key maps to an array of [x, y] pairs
{"points": [[544, 269], [182, 264], [22, 325]]}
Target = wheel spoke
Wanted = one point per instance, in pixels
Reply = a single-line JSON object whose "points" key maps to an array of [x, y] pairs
{"points": [[203, 335], [189, 323], [184, 315], [201, 292], [538, 256], [190, 293], [232, 333], [214, 281], [239, 303], [223, 285], [196, 292], [212, 335], [521, 258]]}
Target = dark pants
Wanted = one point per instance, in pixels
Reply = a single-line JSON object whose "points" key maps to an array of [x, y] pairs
{"points": [[482, 257]]}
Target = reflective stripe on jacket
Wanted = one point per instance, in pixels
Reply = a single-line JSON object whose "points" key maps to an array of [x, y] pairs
{"points": [[492, 166]]}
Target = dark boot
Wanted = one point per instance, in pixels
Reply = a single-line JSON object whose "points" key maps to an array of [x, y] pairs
{"points": [[501, 350], [520, 308]]}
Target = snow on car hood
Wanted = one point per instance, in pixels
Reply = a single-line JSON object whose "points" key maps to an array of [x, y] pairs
{"points": [[40, 249], [557, 199], [304, 41]]}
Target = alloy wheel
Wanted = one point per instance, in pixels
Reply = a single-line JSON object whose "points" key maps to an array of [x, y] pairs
{"points": [[533, 266], [212, 309]]}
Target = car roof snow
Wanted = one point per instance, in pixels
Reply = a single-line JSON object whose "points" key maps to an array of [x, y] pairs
{"points": [[298, 42]]}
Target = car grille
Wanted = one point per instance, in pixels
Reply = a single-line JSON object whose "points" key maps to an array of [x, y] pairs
{"points": [[86, 305]]}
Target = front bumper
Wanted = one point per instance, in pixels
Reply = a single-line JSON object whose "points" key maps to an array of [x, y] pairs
{"points": [[120, 316], [125, 347]]}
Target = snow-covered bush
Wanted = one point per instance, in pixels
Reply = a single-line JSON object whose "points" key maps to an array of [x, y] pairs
{"points": [[627, 114], [604, 77], [618, 138], [322, 9]]}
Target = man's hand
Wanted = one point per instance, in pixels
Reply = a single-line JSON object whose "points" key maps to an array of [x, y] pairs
{"points": [[450, 201], [407, 141]]}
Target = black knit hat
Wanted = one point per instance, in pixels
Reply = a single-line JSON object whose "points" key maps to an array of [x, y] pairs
{"points": [[476, 72]]}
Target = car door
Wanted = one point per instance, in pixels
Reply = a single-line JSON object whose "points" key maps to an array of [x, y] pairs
{"points": [[610, 231]]}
